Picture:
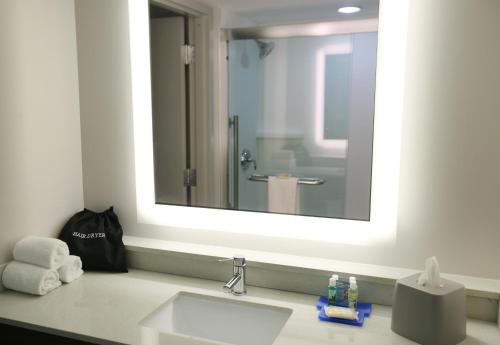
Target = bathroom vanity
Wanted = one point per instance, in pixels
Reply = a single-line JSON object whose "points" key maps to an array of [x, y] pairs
{"points": [[108, 308], [79, 133]]}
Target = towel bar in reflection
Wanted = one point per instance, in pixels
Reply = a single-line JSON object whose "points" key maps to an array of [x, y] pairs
{"points": [[312, 181]]}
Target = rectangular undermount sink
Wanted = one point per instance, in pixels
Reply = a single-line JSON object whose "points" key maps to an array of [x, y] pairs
{"points": [[200, 319]]}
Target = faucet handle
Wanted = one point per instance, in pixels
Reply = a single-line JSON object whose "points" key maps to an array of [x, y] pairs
{"points": [[238, 260]]}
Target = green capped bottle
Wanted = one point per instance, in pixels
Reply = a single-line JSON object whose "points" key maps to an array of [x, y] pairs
{"points": [[332, 289]]}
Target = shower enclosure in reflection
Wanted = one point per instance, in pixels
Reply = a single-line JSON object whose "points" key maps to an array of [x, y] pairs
{"points": [[299, 122], [304, 108]]}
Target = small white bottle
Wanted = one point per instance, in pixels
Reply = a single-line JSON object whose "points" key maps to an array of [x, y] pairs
{"points": [[352, 294], [332, 289]]}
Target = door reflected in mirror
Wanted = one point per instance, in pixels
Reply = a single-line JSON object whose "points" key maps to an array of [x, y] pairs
{"points": [[299, 124]]}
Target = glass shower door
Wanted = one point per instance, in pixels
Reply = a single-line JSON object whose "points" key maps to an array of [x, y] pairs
{"points": [[302, 103], [244, 105]]}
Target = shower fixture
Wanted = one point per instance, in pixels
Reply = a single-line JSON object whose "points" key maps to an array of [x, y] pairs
{"points": [[265, 48]]}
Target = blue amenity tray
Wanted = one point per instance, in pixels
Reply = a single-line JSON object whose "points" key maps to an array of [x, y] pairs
{"points": [[363, 309]]}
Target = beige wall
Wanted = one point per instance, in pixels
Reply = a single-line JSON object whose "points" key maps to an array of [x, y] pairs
{"points": [[450, 165], [40, 151], [105, 99]]}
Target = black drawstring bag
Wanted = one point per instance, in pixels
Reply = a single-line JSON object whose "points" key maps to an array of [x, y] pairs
{"points": [[97, 239]]}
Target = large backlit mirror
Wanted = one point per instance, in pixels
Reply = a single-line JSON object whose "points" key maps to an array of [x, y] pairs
{"points": [[297, 136], [314, 146]]}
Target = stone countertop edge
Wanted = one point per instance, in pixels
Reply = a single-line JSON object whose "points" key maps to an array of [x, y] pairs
{"points": [[106, 308], [475, 286], [57, 332]]}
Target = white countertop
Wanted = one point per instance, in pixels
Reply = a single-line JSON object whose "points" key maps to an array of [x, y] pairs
{"points": [[109, 306]]}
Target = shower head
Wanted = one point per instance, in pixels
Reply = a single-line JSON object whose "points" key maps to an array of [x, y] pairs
{"points": [[265, 48]]}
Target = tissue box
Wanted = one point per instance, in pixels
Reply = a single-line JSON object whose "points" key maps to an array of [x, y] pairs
{"points": [[429, 316]]}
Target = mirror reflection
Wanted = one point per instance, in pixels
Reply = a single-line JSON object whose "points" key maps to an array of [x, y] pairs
{"points": [[299, 123]]}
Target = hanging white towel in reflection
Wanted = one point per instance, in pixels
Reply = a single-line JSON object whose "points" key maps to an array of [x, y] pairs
{"points": [[283, 194]]}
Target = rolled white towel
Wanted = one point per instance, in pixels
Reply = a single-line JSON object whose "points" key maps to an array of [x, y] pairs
{"points": [[2, 268], [31, 279], [71, 269], [41, 251]]}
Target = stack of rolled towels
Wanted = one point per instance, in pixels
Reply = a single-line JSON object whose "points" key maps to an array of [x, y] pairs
{"points": [[40, 265]]}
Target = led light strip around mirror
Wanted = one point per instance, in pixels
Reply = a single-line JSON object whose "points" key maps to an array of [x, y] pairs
{"points": [[381, 229]]}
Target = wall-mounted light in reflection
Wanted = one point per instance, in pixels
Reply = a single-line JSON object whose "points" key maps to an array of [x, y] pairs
{"points": [[336, 147]]}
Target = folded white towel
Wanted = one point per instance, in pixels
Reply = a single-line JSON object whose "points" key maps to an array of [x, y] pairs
{"points": [[283, 194], [71, 269], [31, 279], [41, 251]]}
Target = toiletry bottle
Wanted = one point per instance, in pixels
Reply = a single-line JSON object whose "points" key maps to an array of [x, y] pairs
{"points": [[341, 295], [353, 293], [332, 289]]}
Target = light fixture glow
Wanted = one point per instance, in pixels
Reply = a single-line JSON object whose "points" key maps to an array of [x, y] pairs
{"points": [[335, 147], [381, 229], [349, 9]]}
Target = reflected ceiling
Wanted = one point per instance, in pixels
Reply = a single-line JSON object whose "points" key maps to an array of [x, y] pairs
{"points": [[265, 12]]}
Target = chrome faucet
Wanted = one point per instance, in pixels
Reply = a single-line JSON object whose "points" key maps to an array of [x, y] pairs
{"points": [[237, 284]]}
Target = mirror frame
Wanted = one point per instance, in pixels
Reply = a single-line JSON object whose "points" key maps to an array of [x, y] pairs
{"points": [[389, 99]]}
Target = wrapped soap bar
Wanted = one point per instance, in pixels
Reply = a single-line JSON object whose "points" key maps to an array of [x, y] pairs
{"points": [[341, 312]]}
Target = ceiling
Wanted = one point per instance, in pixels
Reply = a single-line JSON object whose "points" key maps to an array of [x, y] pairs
{"points": [[268, 12]]}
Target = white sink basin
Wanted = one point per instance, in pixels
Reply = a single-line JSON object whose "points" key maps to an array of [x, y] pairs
{"points": [[189, 318]]}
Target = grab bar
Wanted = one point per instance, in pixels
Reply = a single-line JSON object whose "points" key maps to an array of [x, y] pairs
{"points": [[235, 123], [311, 181]]}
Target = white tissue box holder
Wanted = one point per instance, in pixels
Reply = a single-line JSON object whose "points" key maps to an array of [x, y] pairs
{"points": [[429, 315]]}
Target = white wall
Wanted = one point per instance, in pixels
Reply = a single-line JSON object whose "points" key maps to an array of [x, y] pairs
{"points": [[450, 164], [40, 152], [105, 107]]}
